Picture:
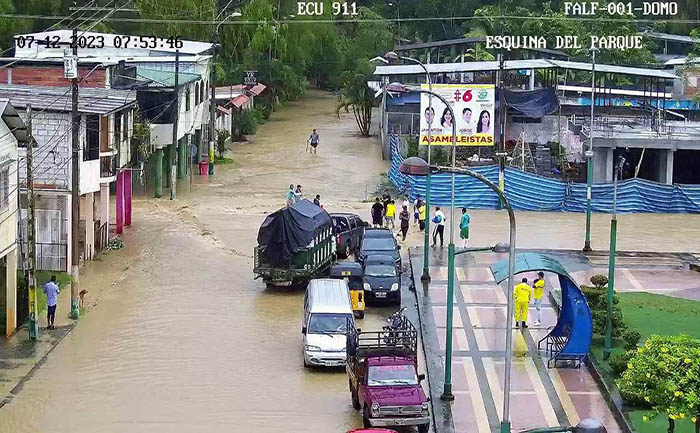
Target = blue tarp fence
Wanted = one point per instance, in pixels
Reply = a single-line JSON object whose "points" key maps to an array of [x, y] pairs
{"points": [[527, 191]]}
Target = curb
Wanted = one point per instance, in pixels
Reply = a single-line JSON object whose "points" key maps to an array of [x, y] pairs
{"points": [[611, 396], [441, 411], [20, 385]]}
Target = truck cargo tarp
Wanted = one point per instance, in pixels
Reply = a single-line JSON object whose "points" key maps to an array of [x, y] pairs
{"points": [[290, 230], [533, 103]]}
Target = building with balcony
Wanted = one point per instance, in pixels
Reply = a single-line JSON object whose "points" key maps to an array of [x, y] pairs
{"points": [[12, 133], [106, 127]]}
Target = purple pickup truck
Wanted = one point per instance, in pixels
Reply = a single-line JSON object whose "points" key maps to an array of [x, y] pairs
{"points": [[383, 380]]}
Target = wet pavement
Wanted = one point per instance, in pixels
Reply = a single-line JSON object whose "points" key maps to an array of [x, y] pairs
{"points": [[540, 396]]}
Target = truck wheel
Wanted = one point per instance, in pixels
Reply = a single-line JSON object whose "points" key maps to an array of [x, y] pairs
{"points": [[346, 251], [423, 428], [355, 398], [361, 314], [365, 418]]}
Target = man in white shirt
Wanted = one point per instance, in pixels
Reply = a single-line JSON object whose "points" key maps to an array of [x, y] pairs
{"points": [[439, 221]]}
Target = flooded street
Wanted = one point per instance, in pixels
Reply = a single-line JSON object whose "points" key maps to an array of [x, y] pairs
{"points": [[180, 338]]}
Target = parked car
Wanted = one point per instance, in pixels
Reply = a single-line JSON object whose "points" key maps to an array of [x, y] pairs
{"points": [[348, 229], [382, 279], [328, 318], [373, 232], [383, 379], [384, 245]]}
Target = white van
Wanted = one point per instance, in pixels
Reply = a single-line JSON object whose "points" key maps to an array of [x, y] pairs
{"points": [[327, 318]]}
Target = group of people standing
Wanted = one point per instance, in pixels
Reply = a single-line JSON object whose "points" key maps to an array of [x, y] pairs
{"points": [[384, 214], [295, 194], [522, 294]]}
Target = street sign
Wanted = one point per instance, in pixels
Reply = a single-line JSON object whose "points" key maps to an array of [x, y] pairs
{"points": [[249, 79], [70, 67]]}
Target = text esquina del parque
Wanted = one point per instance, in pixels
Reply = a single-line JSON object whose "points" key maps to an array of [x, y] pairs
{"points": [[513, 42]]}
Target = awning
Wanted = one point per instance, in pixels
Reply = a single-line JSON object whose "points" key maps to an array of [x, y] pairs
{"points": [[223, 110], [533, 103], [257, 89], [238, 101]]}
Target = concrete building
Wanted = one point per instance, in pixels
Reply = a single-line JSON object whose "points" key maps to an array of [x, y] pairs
{"points": [[649, 122], [12, 133], [106, 128]]}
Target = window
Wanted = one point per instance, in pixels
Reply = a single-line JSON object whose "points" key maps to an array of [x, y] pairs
{"points": [[4, 187], [196, 95], [92, 138], [187, 98], [117, 130], [201, 92], [125, 132]]}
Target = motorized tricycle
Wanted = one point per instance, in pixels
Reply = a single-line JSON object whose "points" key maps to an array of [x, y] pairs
{"points": [[352, 273]]}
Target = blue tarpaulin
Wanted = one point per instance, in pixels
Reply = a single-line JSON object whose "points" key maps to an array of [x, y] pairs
{"points": [[527, 191]]}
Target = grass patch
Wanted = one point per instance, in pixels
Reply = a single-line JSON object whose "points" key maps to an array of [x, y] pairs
{"points": [[223, 160], [662, 315], [42, 277], [651, 314], [658, 424]]}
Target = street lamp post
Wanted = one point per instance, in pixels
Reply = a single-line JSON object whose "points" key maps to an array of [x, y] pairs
{"points": [[611, 263], [589, 159], [391, 55], [418, 166]]}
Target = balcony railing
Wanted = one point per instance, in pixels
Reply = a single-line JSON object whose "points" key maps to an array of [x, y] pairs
{"points": [[49, 256], [108, 166]]}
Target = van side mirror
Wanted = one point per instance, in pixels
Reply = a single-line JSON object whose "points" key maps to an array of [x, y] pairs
{"points": [[303, 329], [358, 330], [421, 377]]}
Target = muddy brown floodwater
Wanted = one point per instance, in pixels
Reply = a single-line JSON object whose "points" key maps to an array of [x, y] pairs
{"points": [[180, 338]]}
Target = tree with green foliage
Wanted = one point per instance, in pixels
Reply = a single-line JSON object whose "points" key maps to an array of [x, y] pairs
{"points": [[357, 96], [664, 376]]}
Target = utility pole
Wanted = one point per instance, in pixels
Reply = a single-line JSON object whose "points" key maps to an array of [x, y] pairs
{"points": [[172, 161], [589, 159], [212, 108], [31, 238], [75, 194]]}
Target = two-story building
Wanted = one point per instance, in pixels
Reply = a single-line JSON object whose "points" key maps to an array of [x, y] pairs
{"points": [[12, 132], [146, 65], [106, 125]]}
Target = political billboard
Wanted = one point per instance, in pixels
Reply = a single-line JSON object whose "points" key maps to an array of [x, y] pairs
{"points": [[474, 110]]}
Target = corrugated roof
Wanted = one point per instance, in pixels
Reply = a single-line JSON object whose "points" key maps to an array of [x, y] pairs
{"points": [[90, 100], [671, 37], [443, 43], [258, 89], [239, 100], [165, 78], [516, 65], [13, 121]]}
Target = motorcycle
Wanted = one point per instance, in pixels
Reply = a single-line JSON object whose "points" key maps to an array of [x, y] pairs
{"points": [[396, 323]]}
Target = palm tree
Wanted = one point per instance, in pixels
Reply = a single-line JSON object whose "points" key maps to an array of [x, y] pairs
{"points": [[356, 95]]}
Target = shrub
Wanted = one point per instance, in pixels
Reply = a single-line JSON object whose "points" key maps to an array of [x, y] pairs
{"points": [[221, 136], [413, 148], [599, 281], [631, 338], [664, 376], [598, 302], [246, 122], [618, 362]]}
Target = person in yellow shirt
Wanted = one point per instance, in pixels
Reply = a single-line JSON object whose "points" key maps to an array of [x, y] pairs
{"points": [[421, 216], [538, 294], [521, 295], [389, 214]]}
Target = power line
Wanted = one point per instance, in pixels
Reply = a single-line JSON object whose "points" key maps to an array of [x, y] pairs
{"points": [[360, 20]]}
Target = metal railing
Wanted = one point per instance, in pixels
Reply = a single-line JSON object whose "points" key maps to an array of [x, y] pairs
{"points": [[108, 166], [49, 256]]}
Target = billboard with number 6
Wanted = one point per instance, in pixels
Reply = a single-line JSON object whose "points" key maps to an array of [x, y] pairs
{"points": [[474, 110]]}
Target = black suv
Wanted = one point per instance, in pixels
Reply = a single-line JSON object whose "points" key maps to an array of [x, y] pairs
{"points": [[379, 243], [348, 229]]}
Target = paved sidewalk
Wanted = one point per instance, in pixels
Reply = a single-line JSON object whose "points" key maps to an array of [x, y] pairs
{"points": [[540, 397]]}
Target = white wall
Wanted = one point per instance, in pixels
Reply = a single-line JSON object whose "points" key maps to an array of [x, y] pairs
{"points": [[8, 215]]}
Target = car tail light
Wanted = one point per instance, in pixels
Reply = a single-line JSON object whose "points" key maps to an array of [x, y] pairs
{"points": [[340, 239]]}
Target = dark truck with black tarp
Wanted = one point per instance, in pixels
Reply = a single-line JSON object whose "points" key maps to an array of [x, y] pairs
{"points": [[295, 245], [383, 379]]}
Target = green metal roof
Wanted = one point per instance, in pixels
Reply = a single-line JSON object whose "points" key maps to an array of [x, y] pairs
{"points": [[527, 262], [161, 78]]}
